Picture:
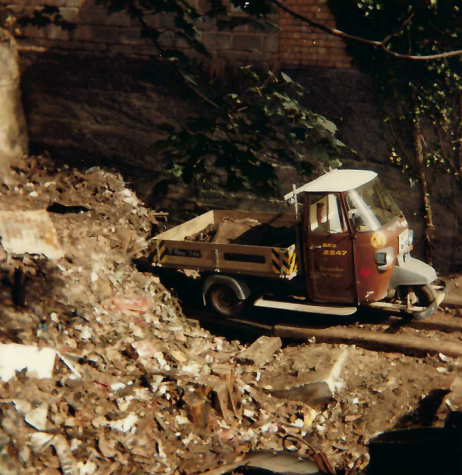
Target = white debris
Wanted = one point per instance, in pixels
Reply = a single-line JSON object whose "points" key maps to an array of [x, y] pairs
{"points": [[37, 418], [39, 362]]}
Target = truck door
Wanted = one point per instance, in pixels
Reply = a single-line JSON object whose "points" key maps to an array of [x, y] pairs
{"points": [[328, 250]]}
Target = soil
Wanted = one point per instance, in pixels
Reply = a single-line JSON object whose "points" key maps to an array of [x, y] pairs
{"points": [[140, 388]]}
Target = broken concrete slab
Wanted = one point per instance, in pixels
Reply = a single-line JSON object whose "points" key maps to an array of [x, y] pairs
{"points": [[260, 352], [29, 232], [39, 362], [37, 418], [311, 387]]}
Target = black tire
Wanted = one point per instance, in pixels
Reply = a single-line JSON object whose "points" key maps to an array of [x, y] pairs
{"points": [[223, 300], [425, 294]]}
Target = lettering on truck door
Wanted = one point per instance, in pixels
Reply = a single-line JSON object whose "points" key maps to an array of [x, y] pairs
{"points": [[328, 250]]}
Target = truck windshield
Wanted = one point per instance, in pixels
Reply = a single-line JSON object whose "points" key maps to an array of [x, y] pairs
{"points": [[371, 206]]}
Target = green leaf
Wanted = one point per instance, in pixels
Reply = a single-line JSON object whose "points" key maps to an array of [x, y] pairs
{"points": [[177, 170], [286, 77]]}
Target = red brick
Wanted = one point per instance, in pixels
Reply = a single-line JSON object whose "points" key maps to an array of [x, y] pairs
{"points": [[323, 16]]}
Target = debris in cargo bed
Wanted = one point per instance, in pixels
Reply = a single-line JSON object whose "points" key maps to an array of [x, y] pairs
{"points": [[139, 388], [246, 231]]}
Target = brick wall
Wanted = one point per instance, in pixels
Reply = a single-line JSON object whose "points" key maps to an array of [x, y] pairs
{"points": [[117, 33], [296, 45], [301, 45]]}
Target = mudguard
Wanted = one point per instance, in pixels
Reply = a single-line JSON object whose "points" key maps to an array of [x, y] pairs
{"points": [[240, 287], [410, 271]]}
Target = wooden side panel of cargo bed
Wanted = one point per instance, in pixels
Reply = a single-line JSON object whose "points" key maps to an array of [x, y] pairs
{"points": [[224, 258]]}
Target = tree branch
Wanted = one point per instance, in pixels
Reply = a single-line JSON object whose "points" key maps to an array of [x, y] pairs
{"points": [[139, 15], [377, 44]]}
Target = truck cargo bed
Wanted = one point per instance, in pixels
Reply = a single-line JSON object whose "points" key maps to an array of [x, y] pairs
{"points": [[235, 242]]}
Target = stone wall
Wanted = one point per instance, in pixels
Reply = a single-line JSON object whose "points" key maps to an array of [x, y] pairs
{"points": [[88, 110], [295, 45]]}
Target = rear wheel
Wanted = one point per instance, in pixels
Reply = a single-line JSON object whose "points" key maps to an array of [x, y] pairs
{"points": [[224, 301]]}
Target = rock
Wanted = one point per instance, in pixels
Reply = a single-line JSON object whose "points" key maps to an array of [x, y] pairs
{"points": [[13, 131], [260, 352], [452, 401], [37, 418], [313, 387]]}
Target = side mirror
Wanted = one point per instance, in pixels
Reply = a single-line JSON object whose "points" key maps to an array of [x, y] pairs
{"points": [[353, 213]]}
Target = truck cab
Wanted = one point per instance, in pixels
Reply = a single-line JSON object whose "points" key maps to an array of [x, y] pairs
{"points": [[356, 246]]}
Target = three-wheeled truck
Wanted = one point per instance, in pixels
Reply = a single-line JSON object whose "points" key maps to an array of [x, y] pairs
{"points": [[346, 245]]}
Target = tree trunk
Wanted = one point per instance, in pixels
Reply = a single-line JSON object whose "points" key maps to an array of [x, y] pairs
{"points": [[13, 130], [425, 191]]}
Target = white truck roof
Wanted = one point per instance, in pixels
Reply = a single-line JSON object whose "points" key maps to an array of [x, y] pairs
{"points": [[336, 181]]}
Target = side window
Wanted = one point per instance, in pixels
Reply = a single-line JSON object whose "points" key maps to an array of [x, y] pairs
{"points": [[325, 214]]}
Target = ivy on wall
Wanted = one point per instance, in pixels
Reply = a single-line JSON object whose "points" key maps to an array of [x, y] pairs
{"points": [[421, 100]]}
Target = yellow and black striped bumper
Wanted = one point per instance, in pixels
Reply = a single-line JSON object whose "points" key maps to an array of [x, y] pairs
{"points": [[284, 260], [159, 253]]}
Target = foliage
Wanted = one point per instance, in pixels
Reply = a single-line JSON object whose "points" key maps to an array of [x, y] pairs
{"points": [[245, 133], [41, 17], [428, 91], [422, 100], [252, 132]]}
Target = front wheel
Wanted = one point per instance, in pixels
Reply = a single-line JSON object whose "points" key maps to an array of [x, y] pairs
{"points": [[224, 301], [421, 296]]}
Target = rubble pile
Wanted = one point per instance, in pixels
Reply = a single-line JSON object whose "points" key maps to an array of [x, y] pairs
{"points": [[136, 387]]}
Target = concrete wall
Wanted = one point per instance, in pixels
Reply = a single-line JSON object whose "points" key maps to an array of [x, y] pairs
{"points": [[296, 45], [13, 130]]}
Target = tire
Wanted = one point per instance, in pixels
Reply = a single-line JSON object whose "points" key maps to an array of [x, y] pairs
{"points": [[425, 295], [223, 300]]}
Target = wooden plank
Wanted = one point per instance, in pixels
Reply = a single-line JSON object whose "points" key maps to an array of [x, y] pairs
{"points": [[365, 337], [275, 219], [260, 351], [190, 227], [437, 322]]}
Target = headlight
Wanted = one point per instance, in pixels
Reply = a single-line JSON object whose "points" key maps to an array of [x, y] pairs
{"points": [[411, 237], [384, 258]]}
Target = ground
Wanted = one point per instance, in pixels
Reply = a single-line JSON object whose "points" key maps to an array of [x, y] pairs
{"points": [[139, 388]]}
